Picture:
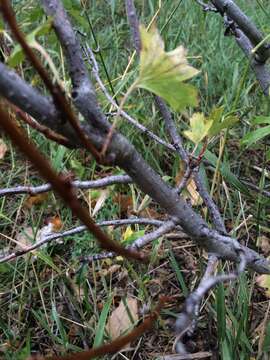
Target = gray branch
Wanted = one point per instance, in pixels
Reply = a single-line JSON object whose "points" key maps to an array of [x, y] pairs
{"points": [[247, 36], [187, 320], [126, 156], [229, 8], [134, 24], [123, 154], [56, 236], [93, 184], [260, 69], [137, 244], [91, 58]]}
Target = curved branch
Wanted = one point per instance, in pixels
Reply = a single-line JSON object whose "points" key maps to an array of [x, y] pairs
{"points": [[92, 184]]}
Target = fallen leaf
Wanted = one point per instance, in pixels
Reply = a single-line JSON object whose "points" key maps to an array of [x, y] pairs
{"points": [[104, 194], [264, 282], [124, 202], [35, 200], [194, 194], [163, 72], [56, 223], [3, 149], [25, 238], [264, 244], [121, 319]]}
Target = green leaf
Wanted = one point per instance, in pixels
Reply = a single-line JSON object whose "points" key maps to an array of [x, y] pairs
{"points": [[17, 55], [200, 126], [219, 122], [255, 136], [210, 126], [163, 72]]}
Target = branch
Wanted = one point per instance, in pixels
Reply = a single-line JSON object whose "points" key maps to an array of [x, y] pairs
{"points": [[133, 24], [50, 134], [247, 37], [245, 25], [91, 58], [56, 236], [164, 228], [256, 188], [177, 142], [61, 185], [125, 155], [55, 89], [186, 321], [83, 93], [93, 184], [260, 69]]}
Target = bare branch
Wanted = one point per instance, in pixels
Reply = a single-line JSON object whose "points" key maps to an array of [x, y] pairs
{"points": [[247, 37], [55, 89], [256, 188], [177, 142], [61, 185], [125, 155], [91, 58], [186, 321], [83, 92], [137, 244], [229, 8], [56, 236], [260, 69], [134, 24], [92, 184], [50, 134]]}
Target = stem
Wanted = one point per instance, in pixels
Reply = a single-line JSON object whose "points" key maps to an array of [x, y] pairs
{"points": [[117, 118]]}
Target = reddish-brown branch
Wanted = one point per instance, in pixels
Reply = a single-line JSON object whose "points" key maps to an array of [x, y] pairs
{"points": [[61, 185], [50, 134], [117, 344], [56, 91]]}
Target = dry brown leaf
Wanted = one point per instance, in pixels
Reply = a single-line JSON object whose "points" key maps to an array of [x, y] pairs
{"points": [[35, 200], [264, 244], [191, 188], [194, 195], [24, 239], [124, 202], [3, 149], [120, 322]]}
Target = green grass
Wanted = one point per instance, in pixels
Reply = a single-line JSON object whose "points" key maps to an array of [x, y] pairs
{"points": [[46, 303]]}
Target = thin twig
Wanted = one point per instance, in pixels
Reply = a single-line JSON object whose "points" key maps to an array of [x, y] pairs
{"points": [[56, 236], [55, 89], [186, 321], [164, 228], [256, 188], [178, 143], [117, 344], [84, 185], [95, 69], [50, 134], [61, 185]]}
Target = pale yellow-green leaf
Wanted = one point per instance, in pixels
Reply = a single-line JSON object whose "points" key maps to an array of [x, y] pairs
{"points": [[199, 127], [202, 126], [163, 72]]}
